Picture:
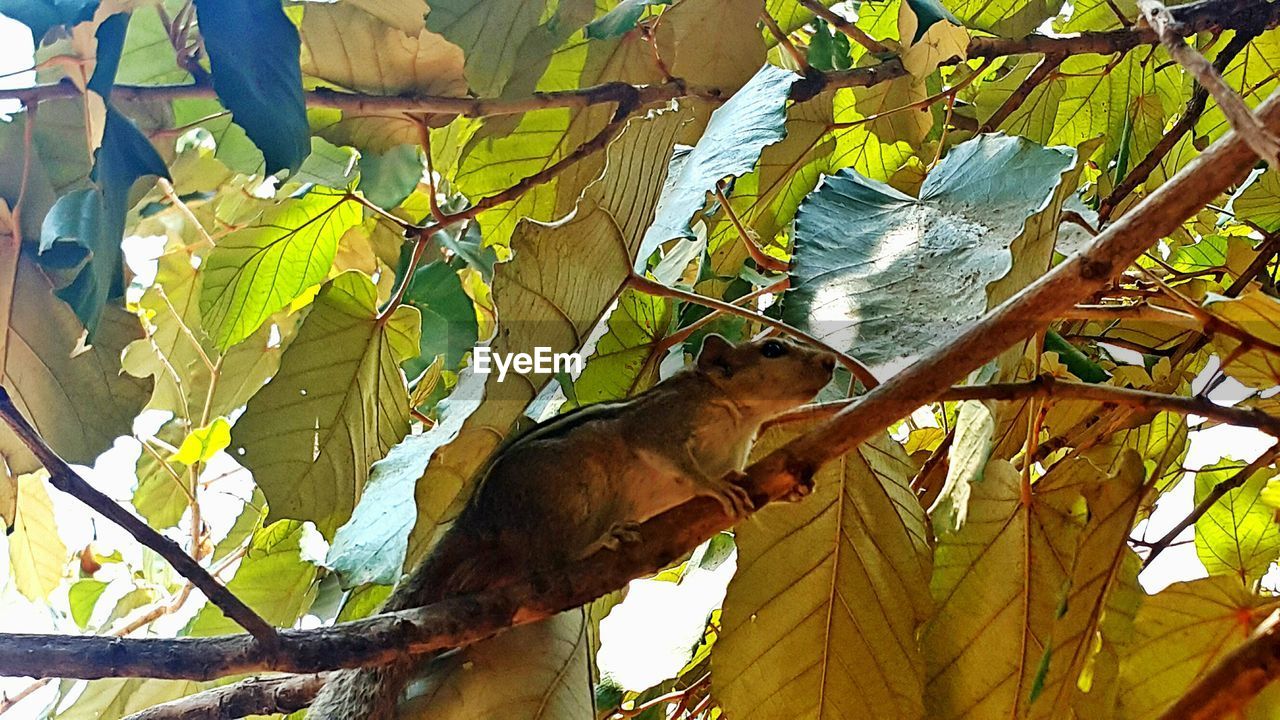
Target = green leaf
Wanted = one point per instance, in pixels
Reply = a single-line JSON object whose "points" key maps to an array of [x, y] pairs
{"points": [[79, 401], [82, 597], [829, 48], [1007, 18], [998, 581], [327, 165], [948, 245], [821, 619], [273, 579], [256, 271], [40, 15], [253, 53], [1238, 535], [337, 405], [970, 450], [449, 325], [120, 697], [1259, 203], [1100, 558], [550, 657], [93, 218], [1257, 314], [752, 119], [489, 32], [36, 553], [620, 20], [178, 352], [371, 547], [623, 362], [161, 497], [245, 525], [387, 178]]}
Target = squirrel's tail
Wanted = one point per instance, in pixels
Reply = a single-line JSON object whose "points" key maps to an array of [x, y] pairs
{"points": [[454, 566]]}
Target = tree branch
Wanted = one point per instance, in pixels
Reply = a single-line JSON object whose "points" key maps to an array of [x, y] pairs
{"points": [[1231, 104], [1202, 507], [255, 696], [62, 477], [1047, 386], [1190, 115], [463, 620]]}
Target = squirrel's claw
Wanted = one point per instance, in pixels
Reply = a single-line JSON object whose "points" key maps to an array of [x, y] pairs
{"points": [[735, 498]]}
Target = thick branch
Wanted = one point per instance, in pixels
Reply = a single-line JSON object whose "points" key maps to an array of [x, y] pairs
{"points": [[464, 620], [62, 477], [255, 696]]}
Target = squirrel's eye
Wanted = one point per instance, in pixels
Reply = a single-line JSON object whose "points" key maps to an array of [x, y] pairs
{"points": [[773, 349]]}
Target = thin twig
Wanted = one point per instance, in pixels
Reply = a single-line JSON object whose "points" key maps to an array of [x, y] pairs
{"points": [[62, 477], [1160, 20], [1047, 386], [860, 371], [255, 696], [1216, 494], [1190, 115], [1020, 94], [796, 56]]}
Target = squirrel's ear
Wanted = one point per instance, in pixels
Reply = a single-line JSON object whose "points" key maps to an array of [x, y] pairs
{"points": [[715, 354]]}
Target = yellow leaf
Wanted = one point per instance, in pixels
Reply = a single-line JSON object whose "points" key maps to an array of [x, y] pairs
{"points": [[1258, 315], [1180, 633], [998, 581], [36, 553], [203, 442], [822, 617]]}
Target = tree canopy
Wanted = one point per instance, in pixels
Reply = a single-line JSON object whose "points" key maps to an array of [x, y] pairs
{"points": [[259, 241]]}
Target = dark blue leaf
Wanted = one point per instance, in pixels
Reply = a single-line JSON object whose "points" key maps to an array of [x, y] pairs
{"points": [[110, 37], [253, 53], [40, 15], [387, 178]]}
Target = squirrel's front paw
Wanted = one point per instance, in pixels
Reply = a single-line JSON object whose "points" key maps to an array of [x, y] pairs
{"points": [[735, 498]]}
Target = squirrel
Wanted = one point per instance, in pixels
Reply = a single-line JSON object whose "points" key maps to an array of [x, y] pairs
{"points": [[584, 480]]}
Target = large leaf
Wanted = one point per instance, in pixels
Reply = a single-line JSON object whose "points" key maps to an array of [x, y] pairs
{"points": [[489, 33], [712, 43], [371, 547], [1100, 558], [256, 271], [337, 405], [120, 697], [1238, 535], [1009, 18], [513, 676], [885, 275], [253, 53], [36, 553], [273, 579], [998, 581], [1179, 634], [752, 119], [79, 401], [352, 48], [821, 619]]}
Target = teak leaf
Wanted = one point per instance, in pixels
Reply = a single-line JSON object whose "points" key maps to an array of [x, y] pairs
{"points": [[337, 405]]}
